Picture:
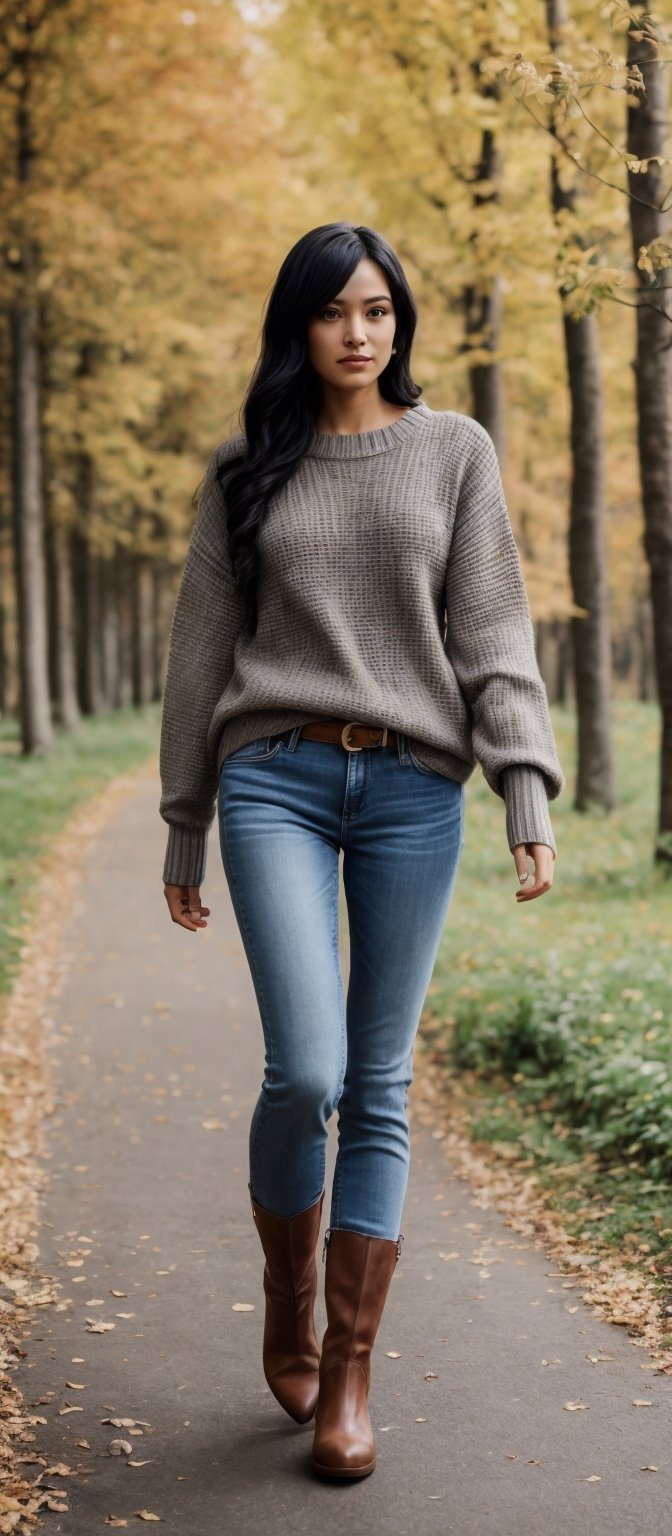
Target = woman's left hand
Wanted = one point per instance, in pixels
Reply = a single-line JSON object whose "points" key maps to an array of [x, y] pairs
{"points": [[543, 859]]}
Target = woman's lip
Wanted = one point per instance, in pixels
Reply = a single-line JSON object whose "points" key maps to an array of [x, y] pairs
{"points": [[358, 361]]}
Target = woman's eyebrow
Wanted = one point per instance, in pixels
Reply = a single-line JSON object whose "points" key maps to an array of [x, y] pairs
{"points": [[365, 301]]}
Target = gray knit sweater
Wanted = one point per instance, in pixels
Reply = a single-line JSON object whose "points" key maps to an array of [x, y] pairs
{"points": [[391, 592]]}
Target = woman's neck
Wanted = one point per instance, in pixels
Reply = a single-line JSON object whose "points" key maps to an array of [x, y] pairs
{"points": [[344, 414]]}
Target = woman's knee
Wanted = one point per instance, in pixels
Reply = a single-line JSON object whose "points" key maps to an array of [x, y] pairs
{"points": [[307, 1090]]}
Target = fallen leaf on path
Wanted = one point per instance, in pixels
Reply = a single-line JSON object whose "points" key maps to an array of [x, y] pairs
{"points": [[119, 1448], [8, 1505], [114, 1520], [71, 1408], [393, 1354], [119, 1293], [126, 1423], [140, 1463], [94, 1327], [642, 1402], [243, 1306], [76, 1386], [649, 1468], [593, 1479], [145, 1514], [574, 1406], [431, 1376], [422, 1421]]}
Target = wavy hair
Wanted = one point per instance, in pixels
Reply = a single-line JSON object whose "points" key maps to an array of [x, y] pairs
{"points": [[283, 398]]}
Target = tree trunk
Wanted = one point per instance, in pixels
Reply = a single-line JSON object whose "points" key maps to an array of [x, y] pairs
{"points": [[646, 672], [562, 662], [111, 625], [141, 630], [87, 625], [125, 635], [483, 303], [591, 646], [62, 663], [4, 668], [27, 521], [647, 135], [108, 632]]}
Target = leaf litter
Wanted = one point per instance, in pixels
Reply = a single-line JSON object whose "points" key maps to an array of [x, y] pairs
{"points": [[25, 1107]]}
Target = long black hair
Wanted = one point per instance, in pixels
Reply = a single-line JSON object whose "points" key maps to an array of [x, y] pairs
{"points": [[283, 398]]}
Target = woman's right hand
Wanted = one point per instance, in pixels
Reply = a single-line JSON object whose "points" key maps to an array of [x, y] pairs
{"points": [[184, 905]]}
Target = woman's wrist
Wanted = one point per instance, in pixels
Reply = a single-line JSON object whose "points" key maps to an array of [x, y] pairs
{"points": [[527, 815]]}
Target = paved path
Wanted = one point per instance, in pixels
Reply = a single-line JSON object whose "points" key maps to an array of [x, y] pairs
{"points": [[157, 1060]]}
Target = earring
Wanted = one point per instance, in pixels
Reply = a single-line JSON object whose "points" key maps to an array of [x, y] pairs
{"points": [[394, 349]]}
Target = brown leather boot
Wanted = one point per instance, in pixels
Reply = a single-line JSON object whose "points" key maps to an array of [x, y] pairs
{"points": [[291, 1353], [359, 1269]]}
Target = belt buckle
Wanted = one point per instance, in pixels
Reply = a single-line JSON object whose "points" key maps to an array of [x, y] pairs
{"points": [[346, 730], [348, 727]]}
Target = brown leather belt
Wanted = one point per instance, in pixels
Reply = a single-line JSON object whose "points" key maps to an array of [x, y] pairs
{"points": [[349, 734]]}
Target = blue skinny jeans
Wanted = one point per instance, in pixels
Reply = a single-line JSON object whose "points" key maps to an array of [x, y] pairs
{"points": [[286, 807]]}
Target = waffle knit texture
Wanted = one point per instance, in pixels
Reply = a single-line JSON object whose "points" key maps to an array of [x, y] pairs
{"points": [[391, 593]]}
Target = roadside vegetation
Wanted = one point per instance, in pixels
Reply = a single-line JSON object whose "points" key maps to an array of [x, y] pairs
{"points": [[39, 792], [553, 1020]]}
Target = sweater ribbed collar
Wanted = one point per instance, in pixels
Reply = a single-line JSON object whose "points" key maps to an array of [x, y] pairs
{"points": [[359, 445]]}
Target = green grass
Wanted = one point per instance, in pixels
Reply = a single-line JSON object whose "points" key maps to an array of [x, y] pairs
{"points": [[38, 793], [556, 1014]]}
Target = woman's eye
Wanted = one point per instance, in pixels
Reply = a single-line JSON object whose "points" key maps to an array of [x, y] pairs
{"points": [[376, 310]]}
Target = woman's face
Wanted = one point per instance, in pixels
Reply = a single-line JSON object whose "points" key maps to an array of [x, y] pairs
{"points": [[358, 322]]}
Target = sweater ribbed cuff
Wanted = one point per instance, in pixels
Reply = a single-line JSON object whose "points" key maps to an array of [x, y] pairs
{"points": [[185, 855], [527, 815]]}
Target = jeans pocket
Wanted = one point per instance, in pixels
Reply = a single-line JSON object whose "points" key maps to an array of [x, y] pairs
{"points": [[422, 768], [257, 751]]}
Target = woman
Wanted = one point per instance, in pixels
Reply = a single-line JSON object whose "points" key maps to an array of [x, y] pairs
{"points": [[351, 635]]}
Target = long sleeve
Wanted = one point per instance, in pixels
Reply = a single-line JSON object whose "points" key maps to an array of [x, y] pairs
{"points": [[490, 644], [207, 620]]}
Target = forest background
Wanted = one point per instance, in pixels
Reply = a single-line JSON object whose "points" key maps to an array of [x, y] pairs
{"points": [[157, 163]]}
